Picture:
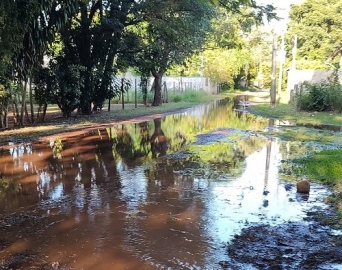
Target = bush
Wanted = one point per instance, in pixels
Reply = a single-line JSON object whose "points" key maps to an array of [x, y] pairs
{"points": [[176, 98], [322, 96], [187, 96]]}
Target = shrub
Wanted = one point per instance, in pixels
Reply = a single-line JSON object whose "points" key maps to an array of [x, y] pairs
{"points": [[322, 96], [177, 98], [187, 96]]}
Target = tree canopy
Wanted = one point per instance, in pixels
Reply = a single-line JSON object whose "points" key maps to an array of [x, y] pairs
{"points": [[318, 26], [87, 42]]}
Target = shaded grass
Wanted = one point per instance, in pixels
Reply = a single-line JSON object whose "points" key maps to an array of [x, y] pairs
{"points": [[289, 112]]}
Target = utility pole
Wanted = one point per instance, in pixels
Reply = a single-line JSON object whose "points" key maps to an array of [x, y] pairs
{"points": [[281, 61], [274, 70], [294, 52]]}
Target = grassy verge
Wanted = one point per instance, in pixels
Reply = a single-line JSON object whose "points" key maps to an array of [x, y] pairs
{"points": [[324, 167], [288, 112]]}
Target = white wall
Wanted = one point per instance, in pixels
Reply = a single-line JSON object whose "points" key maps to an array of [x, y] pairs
{"points": [[178, 83], [297, 77]]}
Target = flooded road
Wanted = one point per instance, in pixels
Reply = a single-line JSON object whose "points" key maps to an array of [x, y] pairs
{"points": [[165, 194]]}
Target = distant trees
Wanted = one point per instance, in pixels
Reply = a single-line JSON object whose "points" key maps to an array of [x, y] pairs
{"points": [[236, 50], [318, 26]]}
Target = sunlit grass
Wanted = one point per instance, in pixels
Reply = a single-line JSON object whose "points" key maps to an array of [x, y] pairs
{"points": [[303, 134], [289, 112], [326, 168]]}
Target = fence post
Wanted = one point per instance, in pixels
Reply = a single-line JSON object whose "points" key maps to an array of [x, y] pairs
{"points": [[122, 94], [135, 93]]}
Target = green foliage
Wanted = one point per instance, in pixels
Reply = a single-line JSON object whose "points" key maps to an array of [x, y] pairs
{"points": [[236, 50], [172, 33], [102, 37], [318, 25], [65, 87], [257, 12], [322, 96], [4, 97], [223, 66], [43, 81], [187, 96]]}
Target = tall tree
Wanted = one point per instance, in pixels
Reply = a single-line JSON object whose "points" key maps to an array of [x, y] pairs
{"points": [[169, 35], [97, 36], [318, 26], [28, 26]]}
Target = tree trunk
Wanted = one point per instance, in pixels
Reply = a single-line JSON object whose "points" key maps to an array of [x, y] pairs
{"points": [[27, 118], [6, 117], [31, 100], [23, 102], [44, 112], [15, 111], [84, 48], [143, 85], [158, 76], [2, 119]]}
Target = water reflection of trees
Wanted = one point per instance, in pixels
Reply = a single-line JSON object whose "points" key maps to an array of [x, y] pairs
{"points": [[219, 159], [158, 140], [90, 159]]}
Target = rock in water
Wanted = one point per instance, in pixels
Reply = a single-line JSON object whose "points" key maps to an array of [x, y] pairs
{"points": [[303, 186]]}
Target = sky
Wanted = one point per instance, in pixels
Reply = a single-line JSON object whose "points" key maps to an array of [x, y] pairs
{"points": [[283, 10]]}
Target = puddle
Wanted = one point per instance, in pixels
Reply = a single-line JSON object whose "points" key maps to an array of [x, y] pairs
{"points": [[165, 194]]}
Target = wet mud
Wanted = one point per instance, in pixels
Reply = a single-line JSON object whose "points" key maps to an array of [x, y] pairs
{"points": [[292, 245]]}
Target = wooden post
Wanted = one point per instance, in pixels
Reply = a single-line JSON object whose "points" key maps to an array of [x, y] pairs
{"points": [[135, 93], [122, 94], [273, 76]]}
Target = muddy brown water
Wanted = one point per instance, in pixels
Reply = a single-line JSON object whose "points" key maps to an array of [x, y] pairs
{"points": [[165, 194]]}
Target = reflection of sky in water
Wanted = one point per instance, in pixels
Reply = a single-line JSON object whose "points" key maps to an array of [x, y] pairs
{"points": [[134, 184], [233, 204], [57, 192]]}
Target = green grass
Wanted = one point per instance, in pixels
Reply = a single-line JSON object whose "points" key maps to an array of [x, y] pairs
{"points": [[288, 112], [324, 167], [303, 134], [189, 96]]}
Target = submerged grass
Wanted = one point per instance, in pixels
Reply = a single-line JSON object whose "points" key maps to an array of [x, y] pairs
{"points": [[307, 134], [323, 166], [289, 112]]}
